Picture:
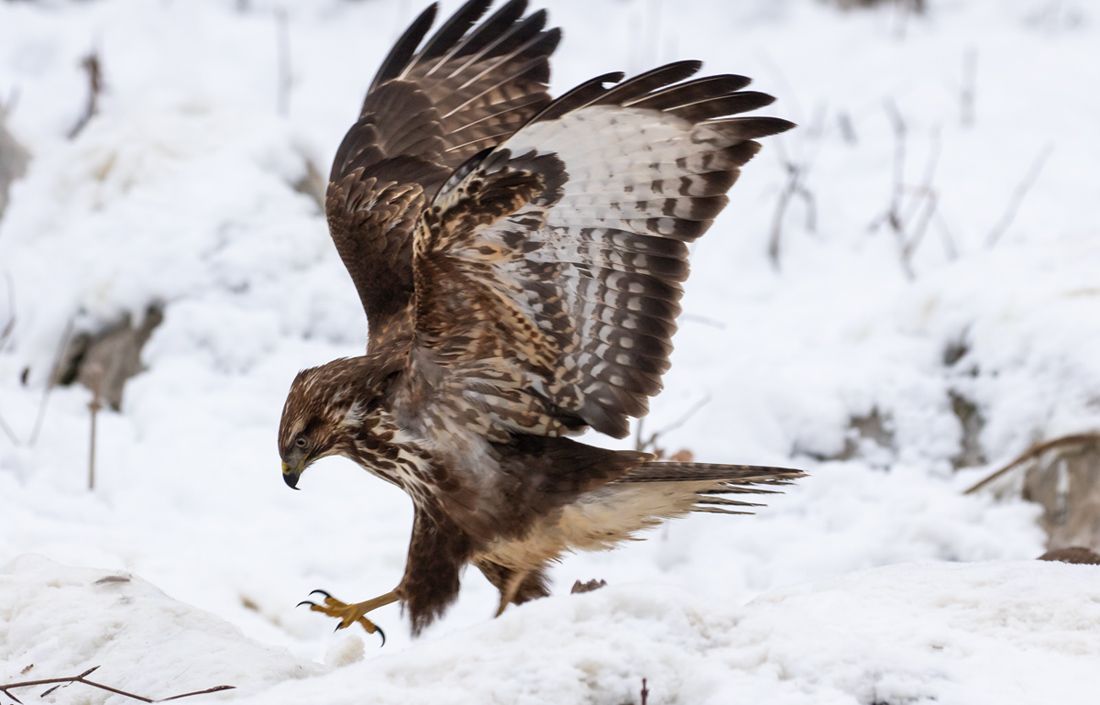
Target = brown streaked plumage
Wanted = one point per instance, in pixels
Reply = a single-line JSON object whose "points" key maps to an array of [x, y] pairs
{"points": [[520, 262]]}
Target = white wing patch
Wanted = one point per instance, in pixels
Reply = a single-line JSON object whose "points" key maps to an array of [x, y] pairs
{"points": [[575, 289]]}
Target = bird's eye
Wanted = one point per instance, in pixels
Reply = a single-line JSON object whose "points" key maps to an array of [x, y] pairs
{"points": [[301, 442]]}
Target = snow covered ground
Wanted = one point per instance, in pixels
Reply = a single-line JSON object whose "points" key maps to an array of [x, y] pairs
{"points": [[847, 589], [921, 632]]}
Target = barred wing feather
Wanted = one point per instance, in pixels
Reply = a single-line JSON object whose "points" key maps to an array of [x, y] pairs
{"points": [[432, 105], [548, 269]]}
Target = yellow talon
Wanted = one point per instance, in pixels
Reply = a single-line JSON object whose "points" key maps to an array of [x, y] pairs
{"points": [[353, 613]]}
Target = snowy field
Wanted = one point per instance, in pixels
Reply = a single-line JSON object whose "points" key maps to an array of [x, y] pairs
{"points": [[873, 580]]}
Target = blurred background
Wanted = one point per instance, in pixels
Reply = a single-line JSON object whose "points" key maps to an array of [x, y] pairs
{"points": [[902, 297]]}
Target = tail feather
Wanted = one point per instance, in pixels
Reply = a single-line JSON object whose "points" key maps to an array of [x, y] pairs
{"points": [[702, 485], [728, 474], [725, 501]]}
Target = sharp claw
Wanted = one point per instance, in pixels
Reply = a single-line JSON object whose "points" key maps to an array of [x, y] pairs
{"points": [[322, 593], [306, 602], [382, 634]]}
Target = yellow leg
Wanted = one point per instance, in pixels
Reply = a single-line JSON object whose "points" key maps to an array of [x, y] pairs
{"points": [[354, 613]]}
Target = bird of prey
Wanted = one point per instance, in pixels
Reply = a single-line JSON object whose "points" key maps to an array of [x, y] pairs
{"points": [[520, 261]]}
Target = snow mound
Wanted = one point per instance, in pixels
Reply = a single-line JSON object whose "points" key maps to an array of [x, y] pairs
{"points": [[1005, 632], [57, 621]]}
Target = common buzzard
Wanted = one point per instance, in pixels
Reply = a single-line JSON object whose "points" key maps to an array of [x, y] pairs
{"points": [[520, 261]]}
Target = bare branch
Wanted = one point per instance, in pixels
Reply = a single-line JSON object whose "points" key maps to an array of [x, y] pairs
{"points": [[215, 689], [651, 442], [83, 678], [796, 174], [795, 186], [968, 88], [946, 237], [900, 135], [51, 382], [706, 321], [4, 334], [9, 432], [892, 216], [10, 325], [94, 406], [282, 48], [930, 165], [929, 203], [92, 67], [1018, 195], [1034, 452], [923, 199], [847, 130], [918, 232]]}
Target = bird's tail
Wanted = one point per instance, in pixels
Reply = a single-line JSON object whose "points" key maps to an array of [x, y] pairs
{"points": [[704, 485]]}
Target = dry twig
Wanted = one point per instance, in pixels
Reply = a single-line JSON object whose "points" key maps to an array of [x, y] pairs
{"points": [[909, 226], [9, 326], [4, 334], [282, 48], [796, 177], [968, 87], [797, 172], [8, 432], [94, 406], [83, 678], [1034, 452], [1022, 188], [51, 382], [925, 190], [91, 66], [651, 442]]}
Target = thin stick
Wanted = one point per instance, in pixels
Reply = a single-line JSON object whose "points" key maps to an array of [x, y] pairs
{"points": [[90, 64], [696, 318], [893, 215], [652, 440], [969, 83], [918, 232], [8, 328], [796, 179], [94, 406], [1035, 452], [780, 210], [215, 689], [82, 678], [51, 382], [930, 165], [10, 325], [1018, 195], [900, 132], [946, 237], [9, 432], [282, 48]]}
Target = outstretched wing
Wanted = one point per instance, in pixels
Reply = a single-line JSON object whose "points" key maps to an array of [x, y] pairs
{"points": [[548, 269], [427, 111]]}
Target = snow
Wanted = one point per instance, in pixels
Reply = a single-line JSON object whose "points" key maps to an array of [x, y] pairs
{"points": [[919, 632], [873, 580]]}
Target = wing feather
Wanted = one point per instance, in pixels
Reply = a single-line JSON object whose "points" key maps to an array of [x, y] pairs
{"points": [[431, 106], [548, 269]]}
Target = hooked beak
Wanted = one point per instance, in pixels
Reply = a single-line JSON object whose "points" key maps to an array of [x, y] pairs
{"points": [[291, 475]]}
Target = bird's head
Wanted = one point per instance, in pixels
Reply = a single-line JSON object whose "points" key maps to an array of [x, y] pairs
{"points": [[325, 407]]}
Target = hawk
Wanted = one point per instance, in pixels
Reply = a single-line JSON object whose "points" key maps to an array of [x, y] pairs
{"points": [[519, 260]]}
